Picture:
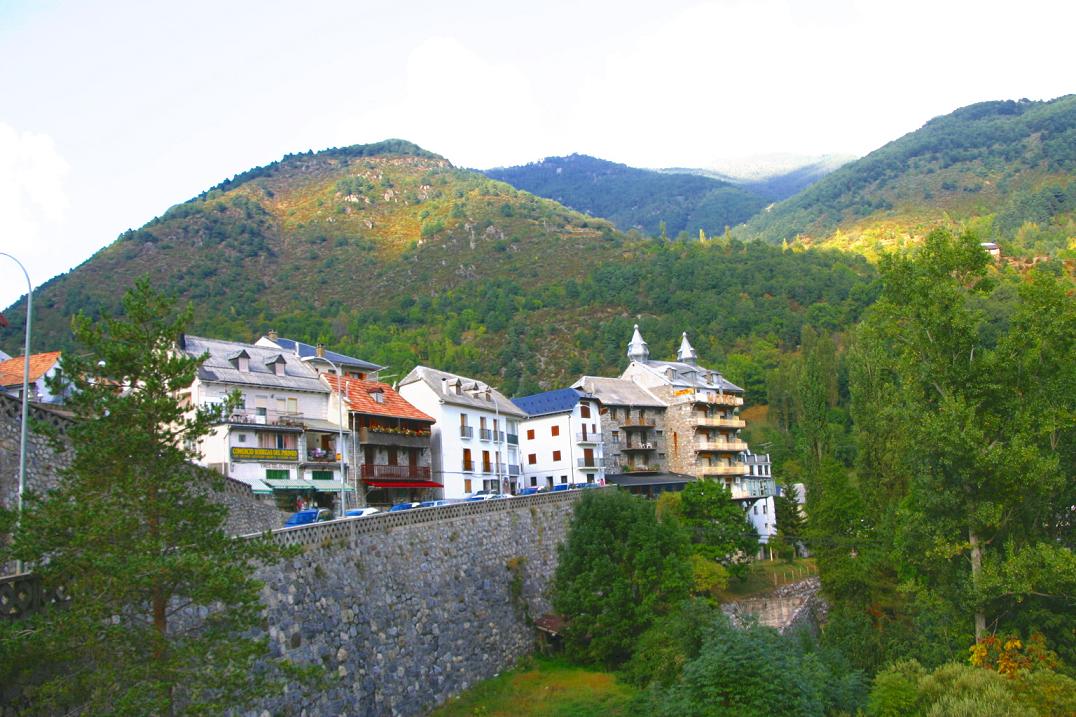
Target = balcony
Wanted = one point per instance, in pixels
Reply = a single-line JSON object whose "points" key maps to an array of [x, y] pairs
{"points": [[513, 470], [513, 439], [485, 434], [384, 472], [468, 467], [588, 437], [716, 399], [319, 455], [637, 446], [735, 446], [466, 432], [379, 436], [736, 469], [753, 488], [277, 420], [592, 462], [642, 468], [708, 422], [637, 422]]}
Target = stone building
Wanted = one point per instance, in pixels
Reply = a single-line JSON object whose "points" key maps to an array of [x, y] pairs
{"points": [[667, 423]]}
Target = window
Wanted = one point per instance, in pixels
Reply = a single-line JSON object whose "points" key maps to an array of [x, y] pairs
{"points": [[241, 437], [556, 430], [564, 479], [616, 436], [756, 510], [466, 485], [293, 405], [584, 410], [556, 455], [467, 465], [276, 474], [764, 508], [481, 421], [530, 434], [321, 475], [463, 419], [532, 458]]}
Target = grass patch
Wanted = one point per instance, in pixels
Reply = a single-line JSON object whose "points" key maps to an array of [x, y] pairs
{"points": [[765, 575], [545, 687]]}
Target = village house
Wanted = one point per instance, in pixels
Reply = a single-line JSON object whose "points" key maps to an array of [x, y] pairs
{"points": [[42, 367], [475, 440], [560, 440], [277, 440]]}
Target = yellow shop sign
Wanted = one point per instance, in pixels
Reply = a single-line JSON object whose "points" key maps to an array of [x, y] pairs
{"points": [[265, 454]]}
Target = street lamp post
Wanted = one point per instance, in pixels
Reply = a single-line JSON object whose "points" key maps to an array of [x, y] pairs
{"points": [[25, 391], [340, 425]]}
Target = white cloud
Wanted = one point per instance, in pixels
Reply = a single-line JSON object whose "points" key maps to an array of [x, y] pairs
{"points": [[32, 197]]}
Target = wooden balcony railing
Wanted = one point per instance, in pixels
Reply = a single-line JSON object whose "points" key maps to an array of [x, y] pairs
{"points": [[386, 472]]}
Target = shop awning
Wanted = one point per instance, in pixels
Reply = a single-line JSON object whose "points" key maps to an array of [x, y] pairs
{"points": [[403, 484], [321, 486]]}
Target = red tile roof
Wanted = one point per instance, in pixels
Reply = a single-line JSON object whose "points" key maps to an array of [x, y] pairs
{"points": [[40, 364], [360, 395]]}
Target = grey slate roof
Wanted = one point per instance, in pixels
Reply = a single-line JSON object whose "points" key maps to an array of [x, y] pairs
{"points": [[542, 404], [217, 367], [690, 375], [472, 391], [618, 392], [304, 350]]}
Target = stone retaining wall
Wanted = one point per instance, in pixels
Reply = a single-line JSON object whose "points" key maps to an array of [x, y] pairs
{"points": [[407, 609]]}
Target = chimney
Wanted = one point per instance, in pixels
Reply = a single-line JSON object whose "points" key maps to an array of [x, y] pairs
{"points": [[320, 350], [444, 386], [272, 334]]}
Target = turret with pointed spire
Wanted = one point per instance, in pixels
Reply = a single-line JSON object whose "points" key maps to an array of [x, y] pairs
{"points": [[637, 349], [687, 354]]}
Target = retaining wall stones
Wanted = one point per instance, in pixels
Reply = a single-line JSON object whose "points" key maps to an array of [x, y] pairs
{"points": [[407, 609], [789, 608]]}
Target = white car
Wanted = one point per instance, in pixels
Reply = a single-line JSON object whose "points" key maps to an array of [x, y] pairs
{"points": [[360, 512]]}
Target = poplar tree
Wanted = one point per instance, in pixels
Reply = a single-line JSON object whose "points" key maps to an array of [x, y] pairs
{"points": [[163, 602]]}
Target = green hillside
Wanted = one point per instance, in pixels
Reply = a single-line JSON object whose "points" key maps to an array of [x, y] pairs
{"points": [[1006, 168], [391, 253], [636, 198]]}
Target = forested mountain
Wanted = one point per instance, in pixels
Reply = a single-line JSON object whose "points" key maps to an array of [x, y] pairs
{"points": [[637, 198], [389, 252], [1008, 169], [774, 177]]}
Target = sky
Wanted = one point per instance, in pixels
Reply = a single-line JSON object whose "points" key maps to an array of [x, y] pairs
{"points": [[111, 112]]}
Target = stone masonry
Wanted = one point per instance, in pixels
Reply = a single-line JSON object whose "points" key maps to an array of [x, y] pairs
{"points": [[407, 609]]}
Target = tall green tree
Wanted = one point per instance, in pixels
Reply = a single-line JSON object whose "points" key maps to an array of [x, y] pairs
{"points": [[163, 600], [987, 454], [717, 525], [619, 569]]}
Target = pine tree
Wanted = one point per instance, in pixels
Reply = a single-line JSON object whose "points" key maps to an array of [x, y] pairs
{"points": [[163, 600]]}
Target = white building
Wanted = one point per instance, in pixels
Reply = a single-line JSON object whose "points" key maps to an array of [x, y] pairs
{"points": [[561, 439], [277, 439], [757, 490], [475, 440]]}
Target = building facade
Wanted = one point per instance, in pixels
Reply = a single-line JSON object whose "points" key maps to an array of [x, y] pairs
{"points": [[561, 441], [475, 440], [277, 440], [42, 367]]}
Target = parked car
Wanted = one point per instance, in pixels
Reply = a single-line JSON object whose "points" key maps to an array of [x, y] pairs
{"points": [[533, 490], [403, 506], [560, 487], [360, 512], [583, 486], [435, 503], [482, 495], [307, 516]]}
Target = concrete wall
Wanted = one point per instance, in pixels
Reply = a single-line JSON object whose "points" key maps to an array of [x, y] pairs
{"points": [[407, 609]]}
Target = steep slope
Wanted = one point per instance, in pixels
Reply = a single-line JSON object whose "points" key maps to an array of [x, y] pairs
{"points": [[1007, 168], [390, 253], [636, 198]]}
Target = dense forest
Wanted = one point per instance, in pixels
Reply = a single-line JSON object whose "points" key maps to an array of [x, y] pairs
{"points": [[937, 444], [661, 204]]}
